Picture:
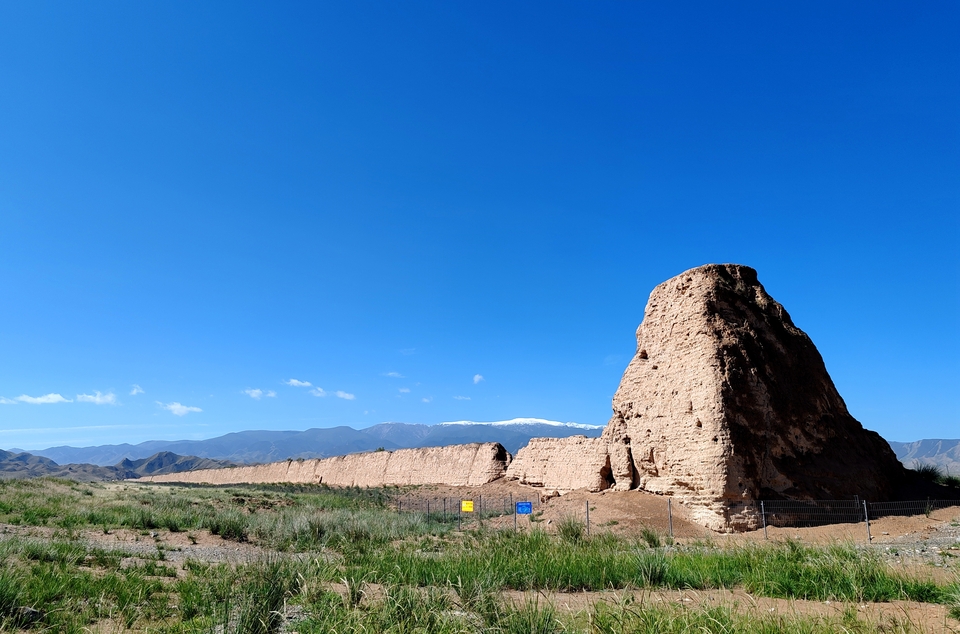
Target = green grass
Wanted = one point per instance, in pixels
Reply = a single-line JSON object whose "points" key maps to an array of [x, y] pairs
{"points": [[536, 560], [71, 586], [396, 572], [298, 517]]}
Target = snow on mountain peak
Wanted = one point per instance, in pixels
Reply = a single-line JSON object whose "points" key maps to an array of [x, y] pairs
{"points": [[515, 422]]}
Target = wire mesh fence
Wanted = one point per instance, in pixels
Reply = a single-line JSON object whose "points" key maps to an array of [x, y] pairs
{"points": [[916, 507], [804, 514], [810, 513], [450, 509], [740, 515]]}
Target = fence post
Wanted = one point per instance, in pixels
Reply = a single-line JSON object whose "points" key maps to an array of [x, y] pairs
{"points": [[444, 510], [459, 514], [763, 516], [428, 510], [866, 518], [514, 514], [588, 518], [670, 515], [399, 506]]}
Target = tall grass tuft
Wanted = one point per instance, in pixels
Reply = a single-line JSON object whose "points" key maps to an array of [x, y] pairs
{"points": [[531, 618], [651, 537], [257, 604], [928, 471], [571, 529], [652, 568]]}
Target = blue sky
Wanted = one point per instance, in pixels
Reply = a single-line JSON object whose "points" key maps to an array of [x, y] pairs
{"points": [[390, 200]]}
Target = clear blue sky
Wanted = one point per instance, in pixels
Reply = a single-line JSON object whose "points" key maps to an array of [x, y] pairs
{"points": [[206, 198]]}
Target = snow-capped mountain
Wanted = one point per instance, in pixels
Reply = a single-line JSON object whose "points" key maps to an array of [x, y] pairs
{"points": [[526, 422]]}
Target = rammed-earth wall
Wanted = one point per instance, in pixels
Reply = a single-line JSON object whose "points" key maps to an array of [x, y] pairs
{"points": [[456, 465]]}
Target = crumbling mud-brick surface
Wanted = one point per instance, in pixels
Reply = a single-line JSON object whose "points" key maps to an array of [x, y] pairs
{"points": [[725, 401], [458, 465]]}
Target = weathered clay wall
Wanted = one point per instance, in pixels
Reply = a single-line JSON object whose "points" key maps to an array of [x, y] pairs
{"points": [[457, 465], [726, 401], [563, 464]]}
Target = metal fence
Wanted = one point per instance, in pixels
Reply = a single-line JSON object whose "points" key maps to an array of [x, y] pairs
{"points": [[793, 513], [447, 509], [743, 515], [916, 507], [812, 513]]}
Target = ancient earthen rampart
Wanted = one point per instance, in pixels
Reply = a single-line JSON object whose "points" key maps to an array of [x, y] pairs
{"points": [[458, 465], [563, 464], [725, 401]]}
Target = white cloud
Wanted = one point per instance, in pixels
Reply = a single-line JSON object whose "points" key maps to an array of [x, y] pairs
{"points": [[296, 383], [7, 401], [393, 375], [257, 393], [404, 390], [318, 391], [136, 389], [41, 400], [477, 378], [98, 399], [345, 395], [462, 398], [426, 399], [177, 409]]}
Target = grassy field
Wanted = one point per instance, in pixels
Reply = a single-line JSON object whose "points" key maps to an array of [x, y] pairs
{"points": [[343, 561]]}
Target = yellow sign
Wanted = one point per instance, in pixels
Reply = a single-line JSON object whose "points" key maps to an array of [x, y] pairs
{"points": [[466, 506]]}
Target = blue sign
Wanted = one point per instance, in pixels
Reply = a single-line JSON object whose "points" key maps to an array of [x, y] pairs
{"points": [[524, 508]]}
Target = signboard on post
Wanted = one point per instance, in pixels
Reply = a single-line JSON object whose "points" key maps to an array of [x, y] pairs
{"points": [[466, 506], [524, 508]]}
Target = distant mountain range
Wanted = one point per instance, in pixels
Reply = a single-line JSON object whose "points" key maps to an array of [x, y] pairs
{"points": [[26, 465], [935, 451], [270, 446]]}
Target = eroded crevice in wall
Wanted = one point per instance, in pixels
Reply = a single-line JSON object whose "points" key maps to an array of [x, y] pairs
{"points": [[606, 479]]}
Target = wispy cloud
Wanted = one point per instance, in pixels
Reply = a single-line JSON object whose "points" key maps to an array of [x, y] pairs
{"points": [[98, 399], [256, 393], [318, 391], [404, 390], [7, 401], [43, 400], [177, 409], [345, 395], [462, 398], [393, 375], [427, 399], [136, 389], [407, 351], [477, 378], [296, 383]]}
